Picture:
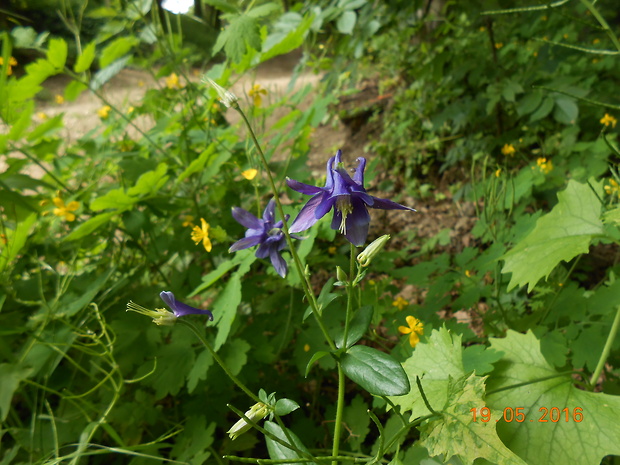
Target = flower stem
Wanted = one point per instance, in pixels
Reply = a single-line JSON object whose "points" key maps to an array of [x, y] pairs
{"points": [[610, 339], [339, 413], [298, 265], [217, 358]]}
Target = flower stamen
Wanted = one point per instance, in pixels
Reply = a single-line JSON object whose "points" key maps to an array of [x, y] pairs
{"points": [[344, 206]]}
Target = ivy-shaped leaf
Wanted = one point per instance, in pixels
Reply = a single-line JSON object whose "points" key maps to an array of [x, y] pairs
{"points": [[540, 442], [560, 235]]}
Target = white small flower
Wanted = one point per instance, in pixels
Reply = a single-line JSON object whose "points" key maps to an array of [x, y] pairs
{"points": [[226, 97], [256, 413]]}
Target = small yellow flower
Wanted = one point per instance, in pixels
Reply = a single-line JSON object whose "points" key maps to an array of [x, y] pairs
{"points": [[130, 110], [65, 211], [595, 60], [306, 347], [609, 120], [544, 18], [332, 250], [59, 99], [256, 93], [596, 41], [612, 188], [202, 234], [249, 174], [400, 303], [104, 111], [535, 54], [508, 149], [499, 45], [415, 330], [482, 29], [188, 220], [172, 81], [140, 83], [468, 273], [565, 36], [42, 115], [9, 68], [545, 165], [498, 172]]}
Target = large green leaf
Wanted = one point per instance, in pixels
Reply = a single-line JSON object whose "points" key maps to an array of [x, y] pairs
{"points": [[377, 372], [562, 234], [279, 451], [85, 59], [16, 239], [11, 376], [57, 53], [116, 50], [583, 442], [90, 225]]}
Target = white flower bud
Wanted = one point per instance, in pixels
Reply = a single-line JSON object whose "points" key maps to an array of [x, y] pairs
{"points": [[372, 250]]}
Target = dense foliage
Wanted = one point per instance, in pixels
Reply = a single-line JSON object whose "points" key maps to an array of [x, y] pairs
{"points": [[499, 346]]}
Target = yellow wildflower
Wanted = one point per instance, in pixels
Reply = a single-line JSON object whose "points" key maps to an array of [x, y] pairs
{"points": [[332, 250], [482, 29], [249, 174], [545, 165], [188, 220], [499, 45], [140, 83], [609, 120], [612, 188], [65, 211], [498, 172], [130, 110], [9, 68], [565, 36], [415, 330], [400, 303], [468, 273], [59, 99], [202, 234], [42, 115], [104, 111], [595, 60], [596, 41], [508, 149], [306, 347], [172, 81], [256, 93]]}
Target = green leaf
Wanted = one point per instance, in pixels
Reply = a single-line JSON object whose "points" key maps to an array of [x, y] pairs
{"points": [[15, 240], [286, 406], [346, 22], [90, 225], [355, 416], [543, 110], [529, 102], [199, 370], [150, 182], [479, 358], [116, 50], [539, 443], [456, 433], [11, 376], [74, 89], [315, 358], [289, 34], [23, 122], [57, 53], [358, 326], [225, 307], [104, 75], [561, 234], [85, 59], [377, 372], [263, 10], [174, 361], [235, 355], [566, 110], [241, 33], [278, 451], [116, 198]]}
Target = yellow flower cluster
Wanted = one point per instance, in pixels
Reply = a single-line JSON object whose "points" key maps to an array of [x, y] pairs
{"points": [[508, 150], [256, 93], [415, 329], [9, 68], [613, 188], [65, 211], [609, 120], [544, 165], [400, 303], [173, 82], [104, 111], [201, 234]]}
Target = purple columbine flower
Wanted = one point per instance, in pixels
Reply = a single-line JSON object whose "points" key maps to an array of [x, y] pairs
{"points": [[179, 308], [265, 233], [346, 196]]}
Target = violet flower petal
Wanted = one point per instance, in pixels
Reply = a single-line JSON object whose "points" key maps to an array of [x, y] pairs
{"points": [[179, 308]]}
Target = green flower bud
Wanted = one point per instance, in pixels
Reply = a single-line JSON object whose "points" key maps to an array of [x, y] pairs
{"points": [[226, 97], [256, 413], [341, 275], [372, 250]]}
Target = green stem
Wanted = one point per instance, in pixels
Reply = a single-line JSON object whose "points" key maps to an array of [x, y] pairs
{"points": [[298, 265], [602, 22], [339, 413], [610, 339], [217, 358]]}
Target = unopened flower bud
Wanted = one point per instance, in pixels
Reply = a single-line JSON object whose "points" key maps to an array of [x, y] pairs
{"points": [[255, 414], [341, 275], [226, 97], [372, 250]]}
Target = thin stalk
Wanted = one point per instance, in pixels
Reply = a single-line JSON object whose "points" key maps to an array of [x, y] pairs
{"points": [[610, 339], [217, 358], [298, 266], [602, 22], [339, 414]]}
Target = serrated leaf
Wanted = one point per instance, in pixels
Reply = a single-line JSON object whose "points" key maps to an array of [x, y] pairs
{"points": [[104, 75], [456, 433], [539, 443], [85, 59], [289, 34], [263, 10], [241, 33], [560, 235], [199, 370], [377, 372], [90, 225], [150, 182], [479, 358], [234, 355], [116, 49], [74, 89], [355, 416], [57, 53], [174, 361], [116, 198]]}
